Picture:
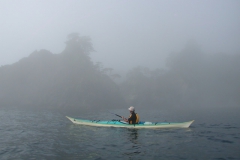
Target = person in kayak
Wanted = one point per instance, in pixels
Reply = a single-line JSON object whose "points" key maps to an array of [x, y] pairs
{"points": [[133, 118]]}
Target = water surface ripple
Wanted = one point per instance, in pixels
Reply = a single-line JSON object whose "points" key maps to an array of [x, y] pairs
{"points": [[26, 134]]}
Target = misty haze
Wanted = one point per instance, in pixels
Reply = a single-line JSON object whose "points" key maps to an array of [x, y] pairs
{"points": [[173, 61]]}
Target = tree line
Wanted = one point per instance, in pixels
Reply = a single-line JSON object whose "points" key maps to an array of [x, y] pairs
{"points": [[192, 79], [70, 79]]}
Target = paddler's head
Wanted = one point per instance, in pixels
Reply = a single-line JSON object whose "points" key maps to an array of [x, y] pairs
{"points": [[131, 109]]}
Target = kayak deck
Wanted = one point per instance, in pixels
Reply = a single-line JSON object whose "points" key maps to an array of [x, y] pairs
{"points": [[118, 123]]}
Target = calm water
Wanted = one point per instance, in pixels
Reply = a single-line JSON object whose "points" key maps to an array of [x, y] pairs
{"points": [[28, 134]]}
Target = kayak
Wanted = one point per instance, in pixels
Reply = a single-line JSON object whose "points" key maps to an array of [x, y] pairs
{"points": [[118, 123]]}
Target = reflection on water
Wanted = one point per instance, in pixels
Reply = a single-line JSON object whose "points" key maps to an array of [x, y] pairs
{"points": [[133, 135], [134, 146]]}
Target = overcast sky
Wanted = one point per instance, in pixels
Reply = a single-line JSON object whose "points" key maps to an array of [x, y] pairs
{"points": [[124, 33]]}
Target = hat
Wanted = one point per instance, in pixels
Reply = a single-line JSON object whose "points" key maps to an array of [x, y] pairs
{"points": [[131, 108]]}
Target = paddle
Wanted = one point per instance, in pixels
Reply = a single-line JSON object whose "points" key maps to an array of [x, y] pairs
{"points": [[116, 115], [119, 116], [124, 119]]}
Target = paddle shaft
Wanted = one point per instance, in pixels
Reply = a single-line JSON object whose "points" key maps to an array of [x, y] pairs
{"points": [[120, 117], [117, 115]]}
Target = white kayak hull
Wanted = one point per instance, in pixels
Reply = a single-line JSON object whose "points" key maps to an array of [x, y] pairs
{"points": [[116, 123]]}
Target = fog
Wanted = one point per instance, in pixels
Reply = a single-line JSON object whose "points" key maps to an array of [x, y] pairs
{"points": [[124, 33], [71, 54]]}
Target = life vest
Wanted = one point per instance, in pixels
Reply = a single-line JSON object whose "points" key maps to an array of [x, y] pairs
{"points": [[137, 119]]}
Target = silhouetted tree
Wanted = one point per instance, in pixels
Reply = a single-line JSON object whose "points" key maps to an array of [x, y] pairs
{"points": [[66, 80], [81, 44]]}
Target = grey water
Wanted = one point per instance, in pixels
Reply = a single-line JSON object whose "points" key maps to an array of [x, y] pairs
{"points": [[48, 134]]}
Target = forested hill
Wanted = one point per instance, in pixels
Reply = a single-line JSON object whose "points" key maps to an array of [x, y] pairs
{"points": [[65, 80], [193, 79]]}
